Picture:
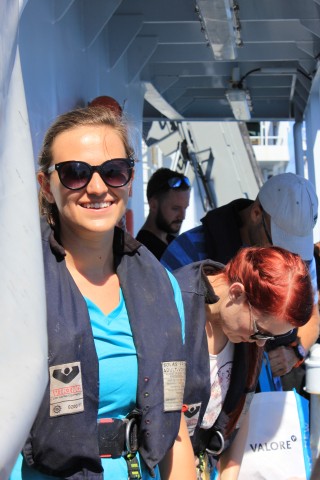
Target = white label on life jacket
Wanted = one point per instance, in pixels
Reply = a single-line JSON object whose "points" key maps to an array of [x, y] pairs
{"points": [[174, 379], [66, 394], [192, 417]]}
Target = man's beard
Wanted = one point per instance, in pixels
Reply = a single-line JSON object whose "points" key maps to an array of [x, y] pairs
{"points": [[162, 224]]}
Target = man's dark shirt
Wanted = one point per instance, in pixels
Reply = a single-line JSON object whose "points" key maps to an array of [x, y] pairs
{"points": [[153, 243]]}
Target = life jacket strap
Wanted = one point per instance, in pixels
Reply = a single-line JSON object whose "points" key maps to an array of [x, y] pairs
{"points": [[133, 467]]}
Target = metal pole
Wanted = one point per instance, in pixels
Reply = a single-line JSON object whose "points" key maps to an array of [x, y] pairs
{"points": [[298, 150], [313, 387]]}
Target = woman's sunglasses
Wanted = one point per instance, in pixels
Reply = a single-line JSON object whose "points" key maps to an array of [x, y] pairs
{"points": [[257, 335], [75, 175]]}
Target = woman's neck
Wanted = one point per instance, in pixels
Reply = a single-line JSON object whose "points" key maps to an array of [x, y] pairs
{"points": [[215, 335], [218, 284], [90, 256], [90, 262]]}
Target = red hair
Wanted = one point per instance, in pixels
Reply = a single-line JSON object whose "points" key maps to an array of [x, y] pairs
{"points": [[276, 282]]}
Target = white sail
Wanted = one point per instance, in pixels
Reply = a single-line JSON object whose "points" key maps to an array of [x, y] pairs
{"points": [[23, 337]]}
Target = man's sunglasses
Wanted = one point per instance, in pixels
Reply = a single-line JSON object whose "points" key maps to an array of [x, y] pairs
{"points": [[176, 182], [75, 175]]}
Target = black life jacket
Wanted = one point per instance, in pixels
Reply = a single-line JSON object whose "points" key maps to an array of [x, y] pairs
{"points": [[67, 445]]}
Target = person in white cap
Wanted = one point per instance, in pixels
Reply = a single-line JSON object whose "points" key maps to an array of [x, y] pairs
{"points": [[284, 214], [291, 202], [291, 205]]}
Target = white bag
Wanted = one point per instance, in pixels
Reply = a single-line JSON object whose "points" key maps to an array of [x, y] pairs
{"points": [[277, 445]]}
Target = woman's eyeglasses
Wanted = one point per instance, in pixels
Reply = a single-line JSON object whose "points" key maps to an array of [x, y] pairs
{"points": [[176, 182], [257, 335], [75, 175]]}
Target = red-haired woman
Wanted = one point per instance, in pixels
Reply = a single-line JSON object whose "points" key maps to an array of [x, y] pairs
{"points": [[231, 311]]}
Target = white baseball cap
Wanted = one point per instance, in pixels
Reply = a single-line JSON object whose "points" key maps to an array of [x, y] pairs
{"points": [[292, 204]]}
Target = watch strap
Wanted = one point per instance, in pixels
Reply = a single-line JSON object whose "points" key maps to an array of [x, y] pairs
{"points": [[299, 352]]}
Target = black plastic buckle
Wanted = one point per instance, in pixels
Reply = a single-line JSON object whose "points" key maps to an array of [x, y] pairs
{"points": [[117, 437]]}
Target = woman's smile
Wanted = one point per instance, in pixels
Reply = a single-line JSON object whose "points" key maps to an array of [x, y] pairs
{"points": [[96, 205]]}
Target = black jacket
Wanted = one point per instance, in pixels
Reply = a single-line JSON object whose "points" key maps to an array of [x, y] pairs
{"points": [[222, 230]]}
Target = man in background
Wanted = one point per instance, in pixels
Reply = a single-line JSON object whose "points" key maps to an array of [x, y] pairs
{"points": [[283, 214], [168, 195]]}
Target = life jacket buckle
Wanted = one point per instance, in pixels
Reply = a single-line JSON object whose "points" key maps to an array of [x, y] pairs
{"points": [[131, 435], [219, 450], [117, 437]]}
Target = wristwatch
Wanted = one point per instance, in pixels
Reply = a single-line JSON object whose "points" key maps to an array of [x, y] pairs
{"points": [[299, 352]]}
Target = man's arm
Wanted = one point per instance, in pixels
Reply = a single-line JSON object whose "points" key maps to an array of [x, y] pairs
{"points": [[282, 359], [186, 248], [309, 333]]}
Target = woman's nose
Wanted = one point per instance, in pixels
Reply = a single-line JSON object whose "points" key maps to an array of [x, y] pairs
{"points": [[96, 184]]}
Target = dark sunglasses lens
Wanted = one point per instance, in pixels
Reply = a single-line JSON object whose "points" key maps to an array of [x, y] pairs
{"points": [[175, 182], [187, 181], [261, 336], [116, 173], [74, 175]]}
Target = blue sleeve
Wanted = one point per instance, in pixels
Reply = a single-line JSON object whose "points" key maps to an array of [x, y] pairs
{"points": [[186, 248], [179, 302]]}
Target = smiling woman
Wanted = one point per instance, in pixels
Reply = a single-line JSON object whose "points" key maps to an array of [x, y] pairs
{"points": [[107, 378], [97, 122]]}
